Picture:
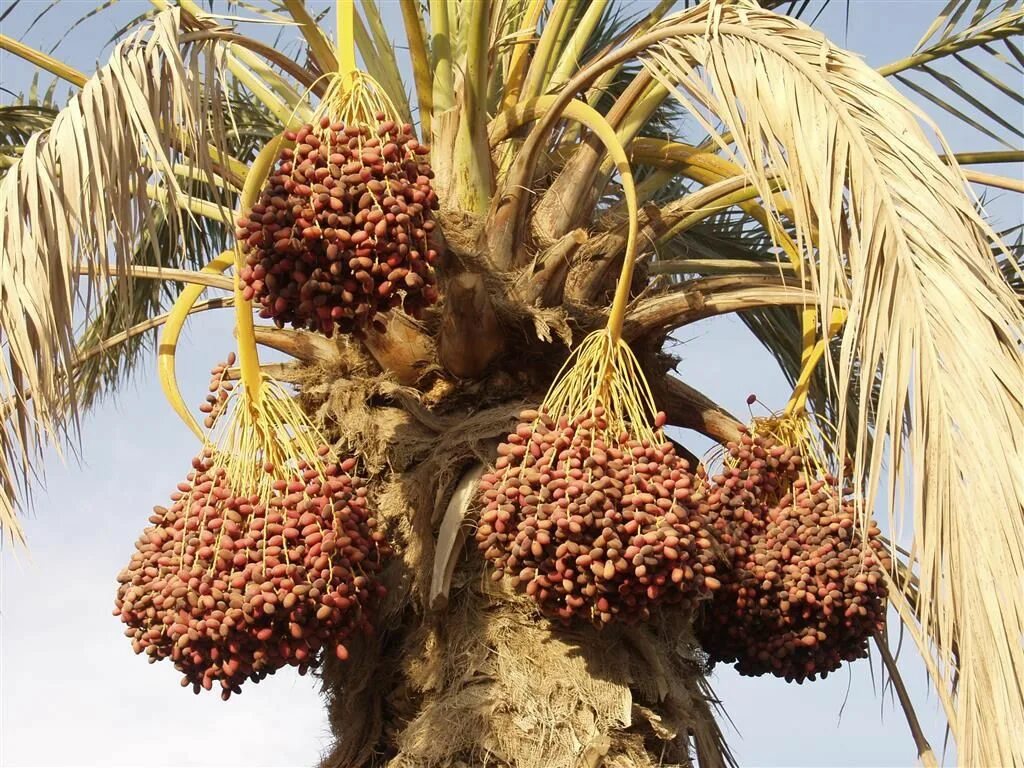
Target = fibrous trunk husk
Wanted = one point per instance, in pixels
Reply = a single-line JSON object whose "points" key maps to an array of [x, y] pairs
{"points": [[486, 680]]}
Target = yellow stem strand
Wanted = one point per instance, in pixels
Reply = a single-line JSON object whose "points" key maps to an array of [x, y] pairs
{"points": [[713, 199], [580, 111], [982, 158], [603, 369], [43, 61], [565, 32], [346, 10], [604, 81], [248, 353], [708, 168], [695, 163], [281, 99], [195, 205], [813, 353], [172, 332]]}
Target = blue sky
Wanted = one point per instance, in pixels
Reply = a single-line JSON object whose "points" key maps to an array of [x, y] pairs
{"points": [[73, 694]]}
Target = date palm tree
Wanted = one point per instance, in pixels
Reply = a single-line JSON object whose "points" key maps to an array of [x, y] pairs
{"points": [[813, 203]]}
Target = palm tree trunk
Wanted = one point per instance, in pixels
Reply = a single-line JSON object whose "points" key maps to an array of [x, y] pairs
{"points": [[463, 671], [486, 682]]}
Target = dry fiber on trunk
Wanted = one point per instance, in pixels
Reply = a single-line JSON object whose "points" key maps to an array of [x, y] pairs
{"points": [[472, 680]]}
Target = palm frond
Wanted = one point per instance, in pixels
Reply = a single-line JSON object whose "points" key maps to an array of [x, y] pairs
{"points": [[103, 367], [634, 105], [966, 61], [198, 241], [378, 53], [729, 242], [883, 221], [17, 124], [1011, 260], [250, 127], [80, 191], [958, 15]]}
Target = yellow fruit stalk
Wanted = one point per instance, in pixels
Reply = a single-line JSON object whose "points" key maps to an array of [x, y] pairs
{"points": [[262, 426]]}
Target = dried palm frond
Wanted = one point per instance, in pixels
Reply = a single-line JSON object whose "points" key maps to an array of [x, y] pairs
{"points": [[78, 192], [189, 242], [881, 220]]}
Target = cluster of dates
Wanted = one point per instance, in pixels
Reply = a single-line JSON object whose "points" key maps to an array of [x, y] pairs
{"points": [[591, 529], [342, 230], [232, 587]]}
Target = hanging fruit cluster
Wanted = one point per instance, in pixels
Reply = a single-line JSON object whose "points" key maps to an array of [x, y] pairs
{"points": [[756, 475], [229, 587], [804, 591], [342, 229], [220, 390], [594, 529]]}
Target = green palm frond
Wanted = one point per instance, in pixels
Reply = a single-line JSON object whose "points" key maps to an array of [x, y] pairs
{"points": [[733, 238], [378, 53], [17, 124], [192, 245], [732, 242], [778, 329], [29, 113], [968, 59], [726, 241], [199, 240], [959, 15], [1011, 260], [668, 116]]}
